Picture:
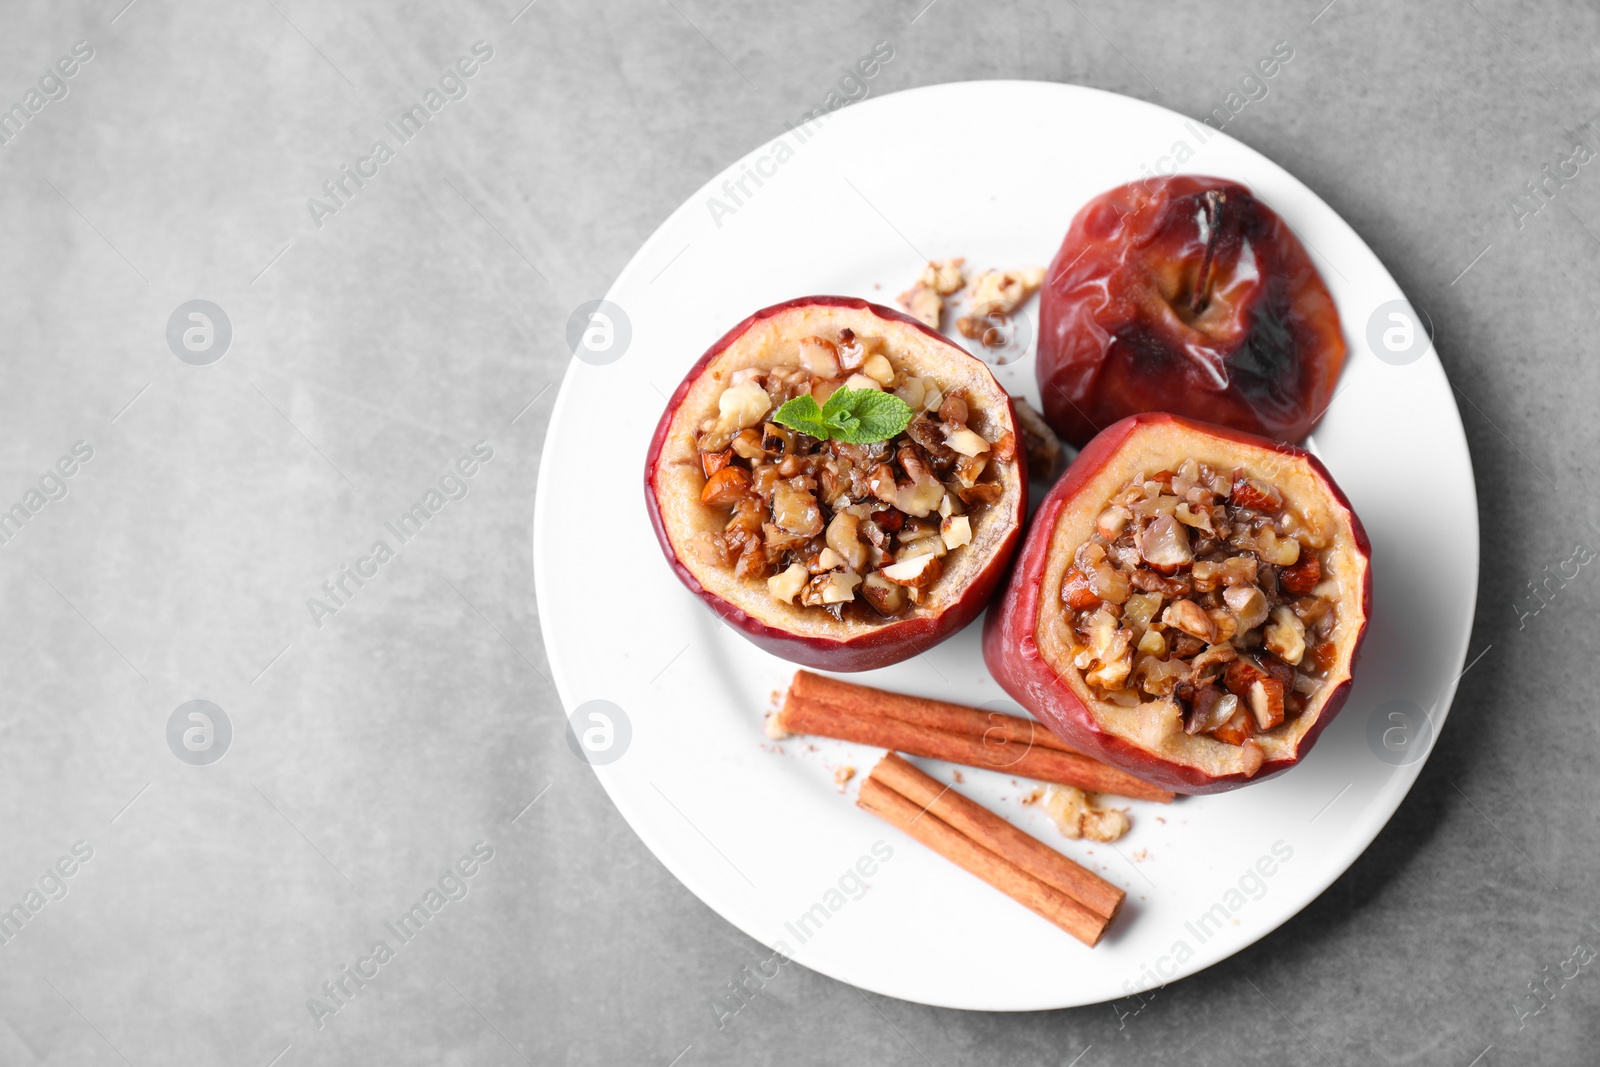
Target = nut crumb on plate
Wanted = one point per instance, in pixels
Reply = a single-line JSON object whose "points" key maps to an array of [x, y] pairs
{"points": [[944, 276], [922, 303], [996, 293], [1077, 817]]}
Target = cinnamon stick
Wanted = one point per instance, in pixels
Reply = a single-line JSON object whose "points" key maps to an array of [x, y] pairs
{"points": [[956, 718], [984, 827], [941, 837], [801, 715]]}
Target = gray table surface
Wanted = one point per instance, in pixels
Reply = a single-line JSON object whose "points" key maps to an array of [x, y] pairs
{"points": [[428, 313]]}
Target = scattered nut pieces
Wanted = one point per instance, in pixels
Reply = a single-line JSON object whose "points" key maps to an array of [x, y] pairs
{"points": [[924, 301], [1077, 817], [923, 304], [996, 293], [944, 276]]}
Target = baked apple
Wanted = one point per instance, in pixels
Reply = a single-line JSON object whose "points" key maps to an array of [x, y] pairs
{"points": [[1189, 604], [1185, 294], [839, 483]]}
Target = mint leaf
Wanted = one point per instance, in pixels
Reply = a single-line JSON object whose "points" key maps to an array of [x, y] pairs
{"points": [[802, 413], [854, 416], [863, 416]]}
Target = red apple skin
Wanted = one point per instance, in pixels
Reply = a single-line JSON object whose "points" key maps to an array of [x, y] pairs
{"points": [[1012, 654], [1112, 343], [879, 647]]}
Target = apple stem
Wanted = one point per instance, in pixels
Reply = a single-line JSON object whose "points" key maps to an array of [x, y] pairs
{"points": [[1214, 199]]}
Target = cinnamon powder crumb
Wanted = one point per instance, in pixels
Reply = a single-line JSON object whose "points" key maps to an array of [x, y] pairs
{"points": [[842, 776]]}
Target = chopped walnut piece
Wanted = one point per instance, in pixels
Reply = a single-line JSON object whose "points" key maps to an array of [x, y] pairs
{"points": [[915, 572], [1286, 636], [997, 293], [924, 304], [944, 276], [787, 585], [1077, 817], [1189, 617], [1004, 290], [740, 406]]}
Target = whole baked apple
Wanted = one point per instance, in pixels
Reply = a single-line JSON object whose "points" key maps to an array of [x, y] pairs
{"points": [[1189, 604], [839, 483], [1185, 294]]}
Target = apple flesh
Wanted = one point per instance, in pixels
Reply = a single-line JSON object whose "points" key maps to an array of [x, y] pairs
{"points": [[1185, 294], [951, 596], [1026, 651]]}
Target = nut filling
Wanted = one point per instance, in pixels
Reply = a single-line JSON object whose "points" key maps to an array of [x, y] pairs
{"points": [[1201, 587], [858, 530]]}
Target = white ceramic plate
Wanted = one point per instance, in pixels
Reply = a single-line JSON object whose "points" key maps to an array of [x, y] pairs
{"points": [[763, 836]]}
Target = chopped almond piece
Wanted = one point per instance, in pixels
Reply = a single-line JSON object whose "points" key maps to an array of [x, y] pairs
{"points": [[725, 486], [1237, 730], [712, 462], [1258, 496], [1242, 674], [1076, 592], [1301, 578], [1266, 703]]}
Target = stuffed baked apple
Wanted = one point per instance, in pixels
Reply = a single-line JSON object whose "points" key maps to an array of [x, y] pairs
{"points": [[838, 482], [1189, 604], [1185, 294]]}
